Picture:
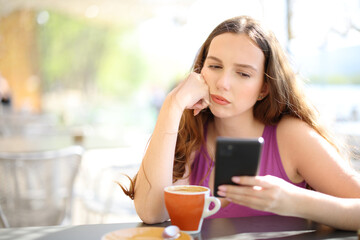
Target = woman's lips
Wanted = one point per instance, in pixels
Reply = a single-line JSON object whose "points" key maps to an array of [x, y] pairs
{"points": [[219, 99]]}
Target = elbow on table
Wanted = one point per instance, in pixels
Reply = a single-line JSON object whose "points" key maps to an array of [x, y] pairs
{"points": [[151, 219], [151, 216]]}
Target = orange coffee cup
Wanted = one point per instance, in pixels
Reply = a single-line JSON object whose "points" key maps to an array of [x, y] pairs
{"points": [[188, 205]]}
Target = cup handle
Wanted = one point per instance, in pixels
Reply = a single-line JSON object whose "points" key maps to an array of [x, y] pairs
{"points": [[208, 201]]}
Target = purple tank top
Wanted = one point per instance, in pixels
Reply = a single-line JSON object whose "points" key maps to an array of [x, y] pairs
{"points": [[270, 164]]}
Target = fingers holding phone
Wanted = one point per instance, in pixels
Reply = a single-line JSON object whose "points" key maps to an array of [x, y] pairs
{"points": [[264, 193]]}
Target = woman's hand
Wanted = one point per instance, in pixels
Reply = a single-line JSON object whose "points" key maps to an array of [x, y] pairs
{"points": [[265, 193], [192, 93]]}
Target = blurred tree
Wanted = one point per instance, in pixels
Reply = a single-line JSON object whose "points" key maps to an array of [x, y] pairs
{"points": [[76, 53]]}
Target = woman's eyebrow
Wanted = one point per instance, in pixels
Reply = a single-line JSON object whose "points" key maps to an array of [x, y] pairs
{"points": [[236, 64], [213, 58], [246, 66]]}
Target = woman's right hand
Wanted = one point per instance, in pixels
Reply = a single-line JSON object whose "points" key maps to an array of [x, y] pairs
{"points": [[192, 93], [156, 171]]}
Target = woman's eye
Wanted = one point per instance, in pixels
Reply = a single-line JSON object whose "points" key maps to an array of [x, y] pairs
{"points": [[215, 66], [244, 74]]}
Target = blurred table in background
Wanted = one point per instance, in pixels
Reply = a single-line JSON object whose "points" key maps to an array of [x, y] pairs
{"points": [[32, 132], [39, 143]]}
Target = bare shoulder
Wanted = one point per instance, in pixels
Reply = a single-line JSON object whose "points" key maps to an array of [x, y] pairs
{"points": [[307, 155], [293, 127], [295, 136]]}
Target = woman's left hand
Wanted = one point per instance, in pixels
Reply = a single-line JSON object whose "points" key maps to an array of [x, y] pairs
{"points": [[265, 193]]}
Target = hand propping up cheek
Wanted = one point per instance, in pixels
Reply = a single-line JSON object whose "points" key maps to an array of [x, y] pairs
{"points": [[265, 193], [192, 93]]}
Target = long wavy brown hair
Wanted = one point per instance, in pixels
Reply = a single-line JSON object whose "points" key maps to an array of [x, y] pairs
{"points": [[286, 96]]}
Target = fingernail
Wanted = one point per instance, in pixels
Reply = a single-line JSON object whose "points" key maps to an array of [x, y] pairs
{"points": [[220, 193], [222, 188], [235, 179]]}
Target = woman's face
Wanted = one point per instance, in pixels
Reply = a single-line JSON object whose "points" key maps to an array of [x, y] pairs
{"points": [[234, 70]]}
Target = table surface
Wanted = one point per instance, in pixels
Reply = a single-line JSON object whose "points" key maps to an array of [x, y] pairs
{"points": [[262, 227], [52, 142]]}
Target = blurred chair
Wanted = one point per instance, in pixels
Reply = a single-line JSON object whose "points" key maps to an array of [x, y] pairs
{"points": [[104, 200], [3, 220], [36, 188]]}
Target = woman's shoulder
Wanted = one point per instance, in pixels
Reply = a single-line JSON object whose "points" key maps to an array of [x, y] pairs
{"points": [[291, 127], [298, 144], [294, 134]]}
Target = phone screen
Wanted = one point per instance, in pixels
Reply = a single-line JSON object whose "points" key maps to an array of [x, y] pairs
{"points": [[236, 157]]}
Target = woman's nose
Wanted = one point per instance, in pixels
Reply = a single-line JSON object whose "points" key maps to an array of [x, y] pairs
{"points": [[223, 82]]}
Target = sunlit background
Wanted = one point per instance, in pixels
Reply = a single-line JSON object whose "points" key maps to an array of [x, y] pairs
{"points": [[110, 63], [101, 69]]}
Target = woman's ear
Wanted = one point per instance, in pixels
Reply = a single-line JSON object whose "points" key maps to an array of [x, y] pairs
{"points": [[265, 89]]}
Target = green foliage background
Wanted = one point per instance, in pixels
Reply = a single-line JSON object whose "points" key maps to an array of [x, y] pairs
{"points": [[80, 54]]}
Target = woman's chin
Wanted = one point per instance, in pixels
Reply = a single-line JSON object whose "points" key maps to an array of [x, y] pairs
{"points": [[219, 113]]}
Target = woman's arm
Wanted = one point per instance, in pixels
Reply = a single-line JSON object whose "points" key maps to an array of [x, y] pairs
{"points": [[307, 155], [341, 213], [156, 170], [273, 194]]}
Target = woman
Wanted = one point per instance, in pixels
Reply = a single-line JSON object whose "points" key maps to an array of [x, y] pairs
{"points": [[242, 86]]}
